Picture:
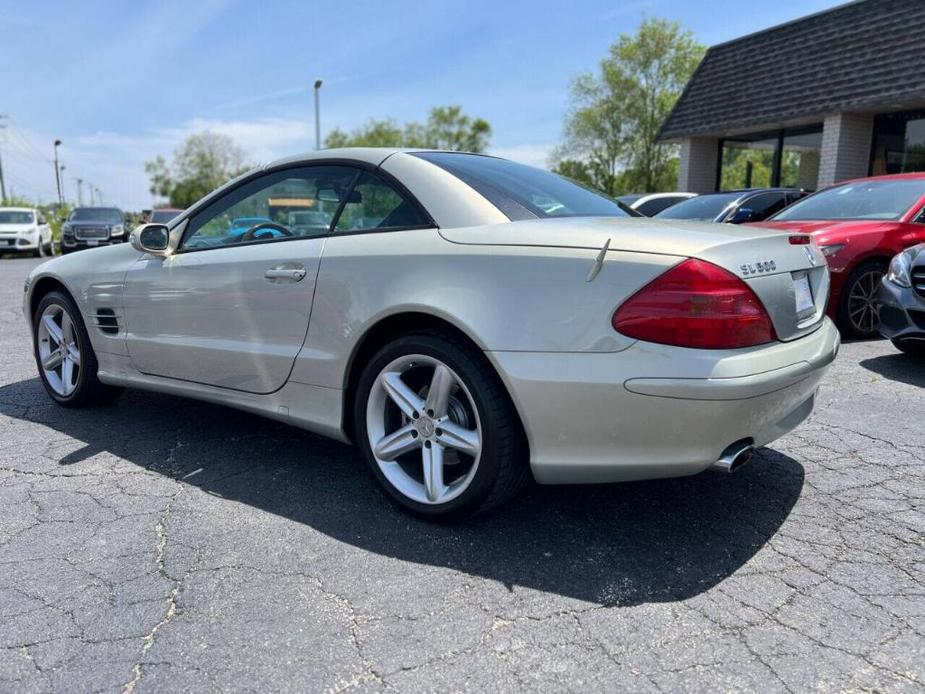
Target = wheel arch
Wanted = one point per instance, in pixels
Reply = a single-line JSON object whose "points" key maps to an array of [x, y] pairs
{"points": [[44, 285], [391, 327]]}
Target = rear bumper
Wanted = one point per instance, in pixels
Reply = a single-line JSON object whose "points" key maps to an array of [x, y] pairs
{"points": [[654, 411], [902, 313]]}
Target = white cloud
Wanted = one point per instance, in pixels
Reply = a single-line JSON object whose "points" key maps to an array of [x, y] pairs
{"points": [[114, 162]]}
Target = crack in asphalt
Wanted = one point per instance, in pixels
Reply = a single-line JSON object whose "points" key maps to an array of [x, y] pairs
{"points": [[160, 544]]}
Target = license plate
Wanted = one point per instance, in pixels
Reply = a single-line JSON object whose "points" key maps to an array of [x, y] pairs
{"points": [[803, 292], [93, 242]]}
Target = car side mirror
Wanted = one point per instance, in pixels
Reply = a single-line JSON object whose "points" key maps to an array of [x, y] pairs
{"points": [[151, 238], [742, 215]]}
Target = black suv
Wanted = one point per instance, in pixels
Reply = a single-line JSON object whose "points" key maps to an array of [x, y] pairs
{"points": [[88, 227]]}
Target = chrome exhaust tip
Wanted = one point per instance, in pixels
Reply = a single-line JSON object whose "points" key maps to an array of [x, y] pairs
{"points": [[735, 456]]}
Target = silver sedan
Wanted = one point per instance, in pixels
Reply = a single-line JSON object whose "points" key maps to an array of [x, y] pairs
{"points": [[470, 323]]}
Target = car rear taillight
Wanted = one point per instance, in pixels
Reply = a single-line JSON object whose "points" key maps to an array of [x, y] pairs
{"points": [[696, 304]]}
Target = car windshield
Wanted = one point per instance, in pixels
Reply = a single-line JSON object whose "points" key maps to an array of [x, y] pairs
{"points": [[703, 208], [859, 200], [525, 192], [108, 215], [16, 217], [163, 216]]}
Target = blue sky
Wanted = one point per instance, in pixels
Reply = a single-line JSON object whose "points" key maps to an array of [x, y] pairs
{"points": [[119, 82]]}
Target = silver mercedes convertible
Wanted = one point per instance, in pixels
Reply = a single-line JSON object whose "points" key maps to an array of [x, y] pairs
{"points": [[468, 322]]}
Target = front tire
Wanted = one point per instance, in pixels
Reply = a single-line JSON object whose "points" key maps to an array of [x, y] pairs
{"points": [[63, 354], [857, 308], [437, 428]]}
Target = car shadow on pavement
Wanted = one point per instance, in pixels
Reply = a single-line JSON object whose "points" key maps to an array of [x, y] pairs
{"points": [[900, 367], [621, 544]]}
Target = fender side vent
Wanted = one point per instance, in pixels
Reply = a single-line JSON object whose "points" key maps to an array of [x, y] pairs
{"points": [[107, 321]]}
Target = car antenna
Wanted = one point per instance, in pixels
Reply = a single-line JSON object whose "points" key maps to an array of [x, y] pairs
{"points": [[598, 262]]}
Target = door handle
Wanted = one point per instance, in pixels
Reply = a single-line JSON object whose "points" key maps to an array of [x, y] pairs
{"points": [[285, 274]]}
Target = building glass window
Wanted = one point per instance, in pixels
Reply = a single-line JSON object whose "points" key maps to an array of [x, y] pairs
{"points": [[747, 162], [800, 156], [788, 158], [899, 143]]}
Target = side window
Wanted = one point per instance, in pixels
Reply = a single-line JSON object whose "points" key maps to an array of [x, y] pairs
{"points": [[297, 203], [653, 207], [763, 206], [374, 204]]}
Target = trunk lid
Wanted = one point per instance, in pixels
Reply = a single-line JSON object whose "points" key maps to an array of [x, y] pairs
{"points": [[764, 258]]}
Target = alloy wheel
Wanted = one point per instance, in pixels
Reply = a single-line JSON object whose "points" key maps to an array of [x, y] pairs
{"points": [[862, 308], [59, 352], [424, 429]]}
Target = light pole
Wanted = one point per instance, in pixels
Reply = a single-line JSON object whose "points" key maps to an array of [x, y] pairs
{"points": [[80, 192], [58, 173], [62, 168], [2, 140], [317, 115], [99, 196]]}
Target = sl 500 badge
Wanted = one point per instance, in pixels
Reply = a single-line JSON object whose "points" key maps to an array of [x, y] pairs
{"points": [[759, 267]]}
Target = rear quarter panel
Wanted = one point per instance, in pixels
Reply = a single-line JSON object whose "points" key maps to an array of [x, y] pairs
{"points": [[504, 298]]}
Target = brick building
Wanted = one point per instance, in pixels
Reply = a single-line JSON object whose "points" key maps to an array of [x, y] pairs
{"points": [[835, 95]]}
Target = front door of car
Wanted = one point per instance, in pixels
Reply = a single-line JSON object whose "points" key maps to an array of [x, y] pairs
{"points": [[231, 306]]}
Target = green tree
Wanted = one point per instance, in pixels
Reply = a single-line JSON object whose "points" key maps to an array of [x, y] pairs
{"points": [[576, 170], [616, 114], [447, 127], [202, 163], [374, 133]]}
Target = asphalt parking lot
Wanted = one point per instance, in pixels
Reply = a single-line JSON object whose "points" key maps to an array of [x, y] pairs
{"points": [[158, 544]]}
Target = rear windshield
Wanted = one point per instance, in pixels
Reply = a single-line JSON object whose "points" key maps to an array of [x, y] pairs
{"points": [[861, 200], [16, 217], [703, 208], [524, 192], [109, 215]]}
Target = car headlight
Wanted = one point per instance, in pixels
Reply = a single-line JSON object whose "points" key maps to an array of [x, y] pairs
{"points": [[116, 230], [901, 266], [831, 249], [66, 230]]}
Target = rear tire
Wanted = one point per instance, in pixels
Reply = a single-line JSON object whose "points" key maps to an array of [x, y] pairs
{"points": [[472, 431], [64, 356], [857, 310]]}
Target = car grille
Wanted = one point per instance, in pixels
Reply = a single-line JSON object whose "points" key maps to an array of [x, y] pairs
{"points": [[918, 280], [91, 233]]}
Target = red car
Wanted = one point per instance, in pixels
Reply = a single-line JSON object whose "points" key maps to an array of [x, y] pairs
{"points": [[859, 225]]}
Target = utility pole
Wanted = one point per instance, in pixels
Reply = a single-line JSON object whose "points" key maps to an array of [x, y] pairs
{"points": [[80, 192], [2, 141], [58, 175], [317, 115]]}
